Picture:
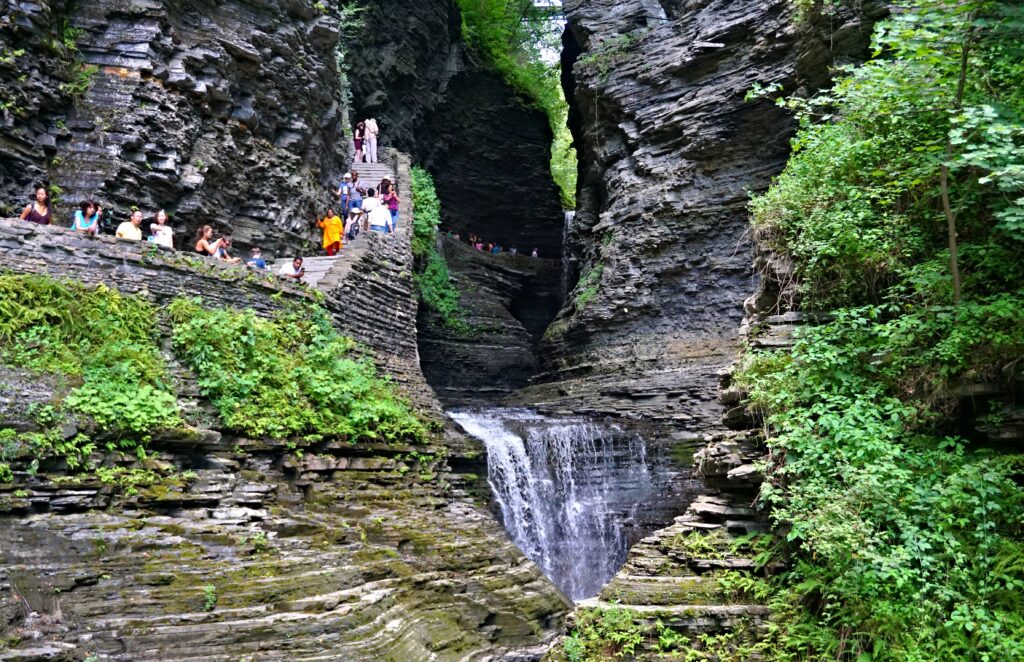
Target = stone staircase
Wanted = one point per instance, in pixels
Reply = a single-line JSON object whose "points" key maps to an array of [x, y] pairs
{"points": [[326, 273]]}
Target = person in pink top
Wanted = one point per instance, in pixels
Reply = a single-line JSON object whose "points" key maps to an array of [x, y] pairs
{"points": [[389, 198]]}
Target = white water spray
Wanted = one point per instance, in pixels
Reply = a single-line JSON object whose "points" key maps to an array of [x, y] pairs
{"points": [[565, 487]]}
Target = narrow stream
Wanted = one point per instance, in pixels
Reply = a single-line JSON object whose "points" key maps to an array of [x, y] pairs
{"points": [[572, 492]]}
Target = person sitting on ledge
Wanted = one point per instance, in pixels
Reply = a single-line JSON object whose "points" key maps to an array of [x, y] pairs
{"points": [[38, 211], [162, 234], [87, 219], [257, 261], [295, 270], [333, 228], [203, 244], [224, 252], [129, 230]]}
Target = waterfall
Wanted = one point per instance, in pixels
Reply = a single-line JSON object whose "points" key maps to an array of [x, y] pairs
{"points": [[568, 490]]}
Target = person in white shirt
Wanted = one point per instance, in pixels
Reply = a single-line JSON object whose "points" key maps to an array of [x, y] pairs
{"points": [[163, 234], [295, 270], [371, 140]]}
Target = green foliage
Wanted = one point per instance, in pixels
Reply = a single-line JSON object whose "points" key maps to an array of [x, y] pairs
{"points": [[80, 82], [433, 281], [209, 597], [99, 341], [608, 54], [518, 38], [588, 286], [904, 539], [602, 634], [288, 376]]}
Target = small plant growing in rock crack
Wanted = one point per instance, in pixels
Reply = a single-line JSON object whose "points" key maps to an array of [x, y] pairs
{"points": [[259, 541], [209, 597]]}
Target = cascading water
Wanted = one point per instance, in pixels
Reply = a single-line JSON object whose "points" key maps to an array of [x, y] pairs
{"points": [[568, 489]]}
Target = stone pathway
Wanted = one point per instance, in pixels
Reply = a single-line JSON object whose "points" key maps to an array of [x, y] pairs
{"points": [[328, 272]]}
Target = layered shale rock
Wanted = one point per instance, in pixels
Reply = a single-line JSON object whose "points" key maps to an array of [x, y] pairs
{"points": [[245, 548], [669, 149], [507, 302], [228, 114]]}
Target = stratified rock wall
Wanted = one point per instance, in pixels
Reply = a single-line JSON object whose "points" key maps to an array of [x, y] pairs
{"points": [[507, 301], [669, 149], [227, 113], [486, 146]]}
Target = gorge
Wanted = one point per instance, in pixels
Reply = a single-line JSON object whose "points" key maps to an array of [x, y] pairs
{"points": [[731, 410]]}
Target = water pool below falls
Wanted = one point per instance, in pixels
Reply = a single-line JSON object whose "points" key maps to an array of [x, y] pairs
{"points": [[574, 494]]}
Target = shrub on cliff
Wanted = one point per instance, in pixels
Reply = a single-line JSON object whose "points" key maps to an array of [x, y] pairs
{"points": [[288, 376], [102, 345], [905, 539], [433, 281]]}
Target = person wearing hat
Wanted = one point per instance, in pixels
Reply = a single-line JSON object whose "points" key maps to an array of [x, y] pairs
{"points": [[257, 261], [352, 223], [345, 192]]}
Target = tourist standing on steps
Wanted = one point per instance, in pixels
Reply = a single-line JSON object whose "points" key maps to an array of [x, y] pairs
{"points": [[130, 229], [389, 198], [371, 140], [345, 191], [87, 219], [359, 187], [295, 270], [352, 223], [333, 227], [203, 244], [357, 140], [38, 211], [163, 234]]}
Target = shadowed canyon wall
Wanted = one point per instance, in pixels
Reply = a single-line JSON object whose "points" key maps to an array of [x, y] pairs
{"points": [[488, 151]]}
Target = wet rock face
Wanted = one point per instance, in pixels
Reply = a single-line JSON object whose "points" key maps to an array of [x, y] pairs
{"points": [[669, 149], [508, 302], [356, 553], [227, 114], [487, 150]]}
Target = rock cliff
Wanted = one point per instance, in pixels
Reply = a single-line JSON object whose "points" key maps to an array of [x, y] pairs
{"points": [[668, 149], [508, 301], [158, 105]]}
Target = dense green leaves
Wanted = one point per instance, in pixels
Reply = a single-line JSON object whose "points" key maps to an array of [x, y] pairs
{"points": [[288, 376], [100, 347], [904, 538], [433, 281]]}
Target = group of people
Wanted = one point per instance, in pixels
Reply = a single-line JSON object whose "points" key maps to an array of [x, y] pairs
{"points": [[363, 209], [87, 220], [87, 217], [365, 141], [491, 247]]}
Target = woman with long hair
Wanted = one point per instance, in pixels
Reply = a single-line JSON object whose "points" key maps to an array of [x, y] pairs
{"points": [[359, 136], [203, 244], [163, 234], [38, 211]]}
